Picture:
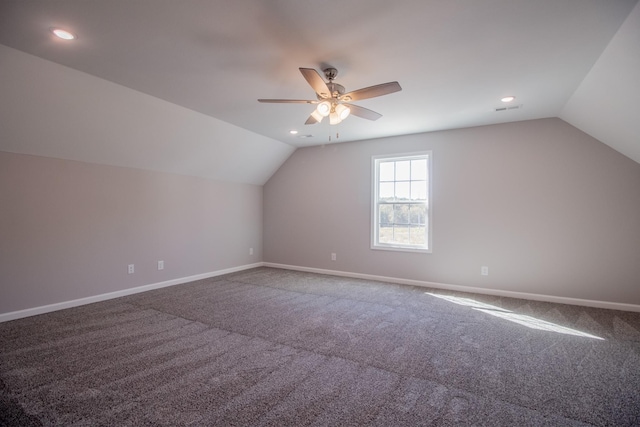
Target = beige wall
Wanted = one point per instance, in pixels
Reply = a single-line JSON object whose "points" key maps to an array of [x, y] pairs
{"points": [[69, 229], [121, 178], [547, 208]]}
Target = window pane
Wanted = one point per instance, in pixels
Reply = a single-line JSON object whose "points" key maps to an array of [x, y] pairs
{"points": [[386, 190], [387, 171], [418, 190], [403, 190], [419, 169], [385, 233], [417, 214], [417, 235], [403, 170], [386, 214], [401, 234], [401, 214]]}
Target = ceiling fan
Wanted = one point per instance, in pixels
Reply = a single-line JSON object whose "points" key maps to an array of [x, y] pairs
{"points": [[333, 101]]}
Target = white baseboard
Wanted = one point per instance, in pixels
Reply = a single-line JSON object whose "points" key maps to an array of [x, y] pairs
{"points": [[495, 292], [5, 317]]}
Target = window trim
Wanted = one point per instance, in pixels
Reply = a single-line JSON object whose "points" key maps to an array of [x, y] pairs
{"points": [[375, 161]]}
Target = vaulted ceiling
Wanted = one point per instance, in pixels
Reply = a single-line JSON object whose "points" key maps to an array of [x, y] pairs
{"points": [[574, 59]]}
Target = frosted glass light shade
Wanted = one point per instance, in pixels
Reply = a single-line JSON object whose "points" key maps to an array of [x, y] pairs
{"points": [[343, 111], [324, 108]]}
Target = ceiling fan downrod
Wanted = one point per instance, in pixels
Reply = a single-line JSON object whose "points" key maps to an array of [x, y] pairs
{"points": [[330, 73]]}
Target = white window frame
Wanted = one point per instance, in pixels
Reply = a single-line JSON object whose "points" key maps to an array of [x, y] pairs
{"points": [[375, 216]]}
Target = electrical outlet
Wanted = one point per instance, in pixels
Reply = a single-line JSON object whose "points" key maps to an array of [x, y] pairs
{"points": [[160, 265], [250, 251], [484, 270], [131, 269], [333, 256]]}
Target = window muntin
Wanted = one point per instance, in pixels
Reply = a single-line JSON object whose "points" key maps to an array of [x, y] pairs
{"points": [[401, 199]]}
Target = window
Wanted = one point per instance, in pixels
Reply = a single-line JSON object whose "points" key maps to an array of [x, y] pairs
{"points": [[401, 202]]}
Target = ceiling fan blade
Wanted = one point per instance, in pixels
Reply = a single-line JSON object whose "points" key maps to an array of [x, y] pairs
{"points": [[362, 112], [288, 101], [372, 91], [316, 82]]}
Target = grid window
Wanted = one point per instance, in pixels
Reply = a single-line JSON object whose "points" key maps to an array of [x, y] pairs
{"points": [[401, 202]]}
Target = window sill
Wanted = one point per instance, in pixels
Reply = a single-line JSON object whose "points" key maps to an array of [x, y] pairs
{"points": [[401, 249]]}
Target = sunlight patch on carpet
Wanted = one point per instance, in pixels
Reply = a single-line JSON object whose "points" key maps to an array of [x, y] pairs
{"points": [[521, 319]]}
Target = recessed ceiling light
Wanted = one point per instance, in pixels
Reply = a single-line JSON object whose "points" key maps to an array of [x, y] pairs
{"points": [[63, 34], [508, 98], [305, 136], [293, 132]]}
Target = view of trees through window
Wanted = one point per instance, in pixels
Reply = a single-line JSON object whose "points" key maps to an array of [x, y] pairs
{"points": [[402, 202]]}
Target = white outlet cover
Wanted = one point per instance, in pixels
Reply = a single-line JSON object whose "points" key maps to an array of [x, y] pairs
{"points": [[484, 271], [131, 269], [160, 265]]}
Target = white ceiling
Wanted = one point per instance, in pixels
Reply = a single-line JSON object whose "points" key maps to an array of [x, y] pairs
{"points": [[605, 105], [454, 59]]}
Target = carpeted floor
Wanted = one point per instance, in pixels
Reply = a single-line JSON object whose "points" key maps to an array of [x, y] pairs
{"points": [[269, 347]]}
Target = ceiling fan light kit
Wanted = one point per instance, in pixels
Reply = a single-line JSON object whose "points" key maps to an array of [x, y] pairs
{"points": [[334, 119], [324, 109], [342, 111], [332, 99]]}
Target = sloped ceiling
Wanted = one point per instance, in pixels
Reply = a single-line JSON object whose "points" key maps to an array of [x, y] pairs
{"points": [[453, 59], [606, 103], [54, 111]]}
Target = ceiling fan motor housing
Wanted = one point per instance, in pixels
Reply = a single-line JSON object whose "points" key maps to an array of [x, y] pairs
{"points": [[335, 90]]}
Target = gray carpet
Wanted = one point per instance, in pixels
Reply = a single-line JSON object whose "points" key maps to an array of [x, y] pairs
{"points": [[269, 347]]}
